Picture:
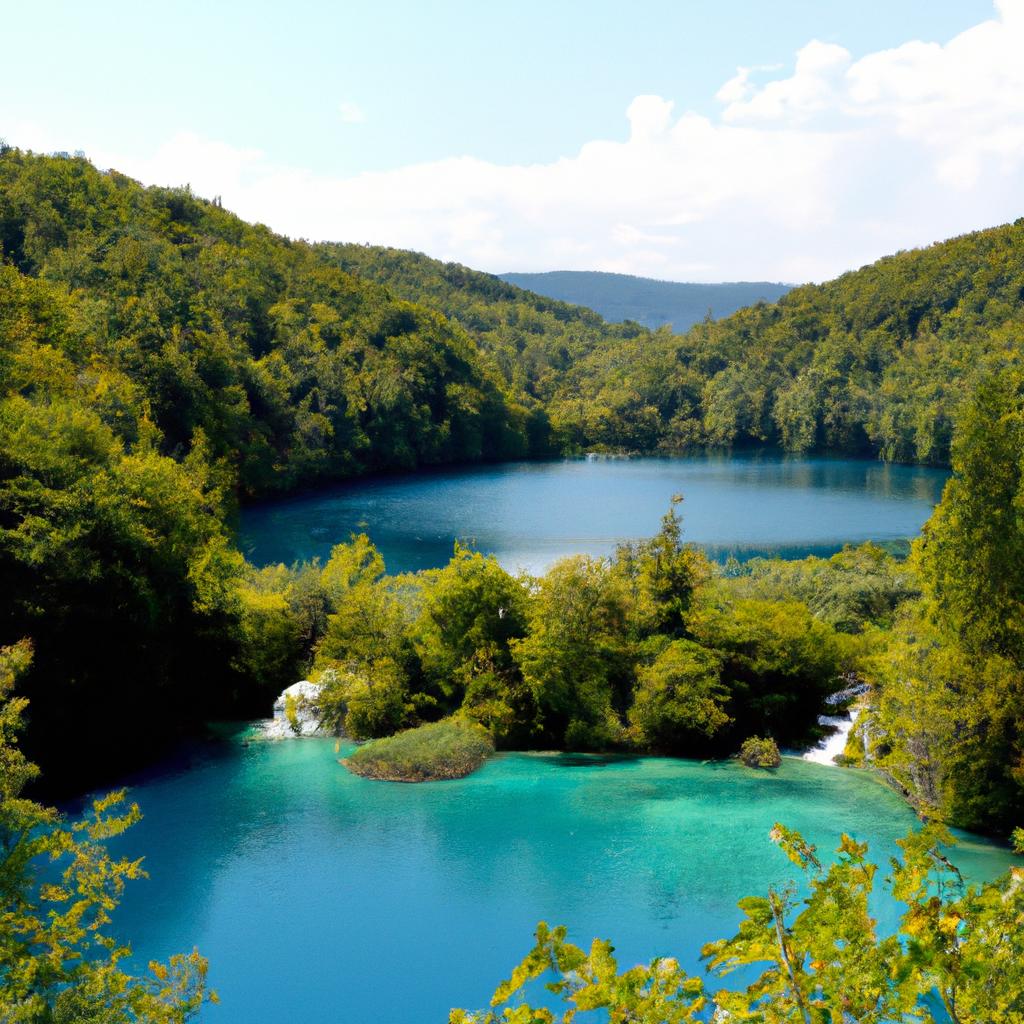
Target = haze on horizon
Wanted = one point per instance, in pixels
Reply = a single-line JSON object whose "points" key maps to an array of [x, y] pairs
{"points": [[786, 148]]}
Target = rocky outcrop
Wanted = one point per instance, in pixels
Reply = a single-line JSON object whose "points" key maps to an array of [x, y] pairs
{"points": [[296, 713]]}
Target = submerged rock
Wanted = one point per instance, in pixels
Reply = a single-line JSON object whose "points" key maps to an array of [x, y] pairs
{"points": [[296, 713]]}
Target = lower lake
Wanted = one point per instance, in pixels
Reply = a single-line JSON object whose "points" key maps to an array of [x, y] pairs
{"points": [[529, 514], [325, 898]]}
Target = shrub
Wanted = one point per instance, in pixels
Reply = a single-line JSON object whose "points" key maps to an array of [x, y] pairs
{"points": [[760, 753], [449, 749]]}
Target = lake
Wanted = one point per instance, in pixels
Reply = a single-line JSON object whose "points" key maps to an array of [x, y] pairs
{"points": [[529, 514], [325, 898]]}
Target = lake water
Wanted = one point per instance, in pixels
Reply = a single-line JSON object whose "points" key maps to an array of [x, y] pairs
{"points": [[324, 898], [530, 513]]}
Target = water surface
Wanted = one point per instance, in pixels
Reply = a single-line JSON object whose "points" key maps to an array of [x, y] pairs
{"points": [[530, 513], [325, 898]]}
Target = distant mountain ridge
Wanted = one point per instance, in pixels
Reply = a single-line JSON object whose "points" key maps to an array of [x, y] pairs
{"points": [[619, 297]]}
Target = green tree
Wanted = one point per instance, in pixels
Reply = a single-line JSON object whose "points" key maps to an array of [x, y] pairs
{"points": [[576, 653], [471, 611], [680, 701], [814, 959], [778, 661], [58, 887]]}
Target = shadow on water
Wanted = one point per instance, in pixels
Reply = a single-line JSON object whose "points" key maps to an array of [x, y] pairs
{"points": [[575, 760]]}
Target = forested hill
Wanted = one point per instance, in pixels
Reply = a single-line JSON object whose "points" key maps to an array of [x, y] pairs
{"points": [[533, 340], [645, 300], [873, 363], [291, 369]]}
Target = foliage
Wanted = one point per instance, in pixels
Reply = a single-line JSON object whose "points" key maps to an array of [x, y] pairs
{"points": [[857, 588], [958, 954], [778, 660], [58, 889], [441, 750], [364, 703], [645, 651], [946, 716], [574, 649], [660, 992], [679, 699], [760, 752]]}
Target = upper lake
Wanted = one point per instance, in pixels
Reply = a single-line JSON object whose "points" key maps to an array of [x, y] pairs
{"points": [[529, 514]]}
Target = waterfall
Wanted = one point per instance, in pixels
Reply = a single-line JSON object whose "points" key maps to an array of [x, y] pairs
{"points": [[833, 745]]}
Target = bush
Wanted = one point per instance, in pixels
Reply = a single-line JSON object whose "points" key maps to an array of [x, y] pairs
{"points": [[441, 750], [760, 753]]}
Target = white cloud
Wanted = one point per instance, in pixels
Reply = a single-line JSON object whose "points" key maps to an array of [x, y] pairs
{"points": [[800, 177], [351, 112]]}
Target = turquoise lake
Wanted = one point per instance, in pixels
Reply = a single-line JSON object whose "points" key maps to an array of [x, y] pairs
{"points": [[529, 514], [324, 898]]}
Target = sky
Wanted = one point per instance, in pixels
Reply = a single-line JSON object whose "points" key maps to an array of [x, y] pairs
{"points": [[699, 140]]}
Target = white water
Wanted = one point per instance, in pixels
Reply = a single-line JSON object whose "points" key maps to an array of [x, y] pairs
{"points": [[830, 747]]}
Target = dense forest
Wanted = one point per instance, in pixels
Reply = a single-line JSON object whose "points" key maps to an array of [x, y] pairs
{"points": [[648, 301]]}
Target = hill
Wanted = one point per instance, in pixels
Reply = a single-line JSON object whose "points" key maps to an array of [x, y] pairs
{"points": [[653, 303], [874, 363], [161, 359]]}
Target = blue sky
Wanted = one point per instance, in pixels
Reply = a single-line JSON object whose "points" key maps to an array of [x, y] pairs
{"points": [[255, 100]]}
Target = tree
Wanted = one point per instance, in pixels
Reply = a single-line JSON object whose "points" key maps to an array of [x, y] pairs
{"points": [[662, 575], [679, 702], [778, 661], [58, 963], [971, 552], [471, 610], [575, 652], [814, 959]]}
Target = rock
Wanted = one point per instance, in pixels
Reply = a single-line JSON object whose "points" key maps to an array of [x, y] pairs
{"points": [[296, 713]]}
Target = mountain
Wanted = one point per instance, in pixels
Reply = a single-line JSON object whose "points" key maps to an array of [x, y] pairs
{"points": [[647, 301]]}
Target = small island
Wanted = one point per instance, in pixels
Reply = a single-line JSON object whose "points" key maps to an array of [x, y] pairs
{"points": [[450, 749], [758, 752]]}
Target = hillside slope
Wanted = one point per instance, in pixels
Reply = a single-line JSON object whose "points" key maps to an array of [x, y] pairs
{"points": [[874, 363], [653, 303], [292, 370], [159, 359], [533, 340]]}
